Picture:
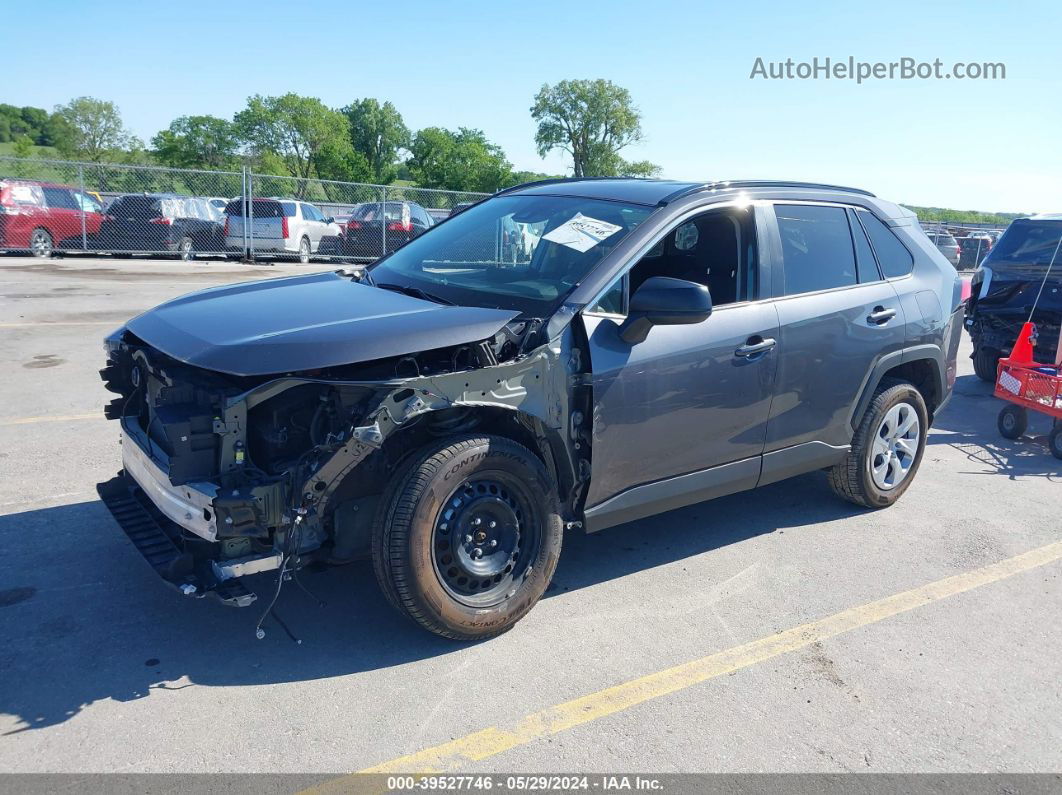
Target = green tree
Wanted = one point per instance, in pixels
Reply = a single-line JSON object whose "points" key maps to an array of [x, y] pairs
{"points": [[96, 129], [23, 146], [205, 142], [462, 160], [296, 129], [342, 164], [592, 120], [378, 133]]}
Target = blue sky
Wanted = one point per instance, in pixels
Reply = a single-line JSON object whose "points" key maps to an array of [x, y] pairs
{"points": [[990, 145]]}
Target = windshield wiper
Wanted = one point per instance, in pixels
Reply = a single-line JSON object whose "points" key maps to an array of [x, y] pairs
{"points": [[416, 292]]}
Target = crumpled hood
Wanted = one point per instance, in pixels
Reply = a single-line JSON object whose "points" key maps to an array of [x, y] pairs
{"points": [[305, 323]]}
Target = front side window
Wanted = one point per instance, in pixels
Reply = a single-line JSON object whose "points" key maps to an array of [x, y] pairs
{"points": [[817, 252], [521, 252], [716, 249]]}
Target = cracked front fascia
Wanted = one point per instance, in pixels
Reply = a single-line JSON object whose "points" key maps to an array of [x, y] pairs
{"points": [[536, 385]]}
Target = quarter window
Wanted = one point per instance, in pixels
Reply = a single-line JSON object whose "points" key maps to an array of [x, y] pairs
{"points": [[893, 255], [817, 251], [865, 263]]}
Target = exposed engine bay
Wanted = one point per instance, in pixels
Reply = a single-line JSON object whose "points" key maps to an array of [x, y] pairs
{"points": [[226, 475]]}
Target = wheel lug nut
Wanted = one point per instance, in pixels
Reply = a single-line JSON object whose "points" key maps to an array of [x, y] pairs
{"points": [[492, 525], [494, 542], [477, 553], [468, 539], [477, 521]]}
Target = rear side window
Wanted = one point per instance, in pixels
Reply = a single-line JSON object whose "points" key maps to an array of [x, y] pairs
{"points": [[288, 209], [60, 198], [817, 251], [260, 208], [893, 256]]}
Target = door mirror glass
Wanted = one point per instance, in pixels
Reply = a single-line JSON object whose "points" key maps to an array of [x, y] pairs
{"points": [[663, 301]]}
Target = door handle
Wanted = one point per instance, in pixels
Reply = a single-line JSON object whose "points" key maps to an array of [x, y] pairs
{"points": [[881, 315], [751, 348]]}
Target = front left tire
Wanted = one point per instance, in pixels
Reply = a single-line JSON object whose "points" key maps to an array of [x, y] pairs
{"points": [[467, 538]]}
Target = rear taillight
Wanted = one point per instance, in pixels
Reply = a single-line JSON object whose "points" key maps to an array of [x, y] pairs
{"points": [[284, 226], [394, 226], [161, 221], [226, 226], [353, 225]]}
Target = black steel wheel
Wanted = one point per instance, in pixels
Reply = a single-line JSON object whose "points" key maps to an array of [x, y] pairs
{"points": [[467, 537], [485, 539]]}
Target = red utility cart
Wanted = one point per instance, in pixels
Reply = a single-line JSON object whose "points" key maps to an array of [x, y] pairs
{"points": [[1026, 384]]}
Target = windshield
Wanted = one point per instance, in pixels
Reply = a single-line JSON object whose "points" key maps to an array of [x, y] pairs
{"points": [[1026, 249], [524, 253]]}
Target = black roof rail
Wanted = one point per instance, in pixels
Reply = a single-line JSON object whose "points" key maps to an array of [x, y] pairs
{"points": [[558, 180], [759, 183]]}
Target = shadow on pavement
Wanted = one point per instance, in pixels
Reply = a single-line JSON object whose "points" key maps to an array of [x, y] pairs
{"points": [[968, 425], [85, 619]]}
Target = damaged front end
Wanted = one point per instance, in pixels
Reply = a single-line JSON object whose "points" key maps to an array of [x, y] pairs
{"points": [[227, 475]]}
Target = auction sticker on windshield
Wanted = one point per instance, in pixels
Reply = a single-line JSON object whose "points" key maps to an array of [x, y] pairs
{"points": [[582, 232]]}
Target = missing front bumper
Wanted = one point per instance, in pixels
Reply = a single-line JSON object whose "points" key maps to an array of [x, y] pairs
{"points": [[157, 539]]}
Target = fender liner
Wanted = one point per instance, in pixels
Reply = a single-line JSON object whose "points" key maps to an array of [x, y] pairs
{"points": [[934, 354]]}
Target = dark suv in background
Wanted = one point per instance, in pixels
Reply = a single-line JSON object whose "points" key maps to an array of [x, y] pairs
{"points": [[373, 229], [450, 413], [1006, 286], [160, 222]]}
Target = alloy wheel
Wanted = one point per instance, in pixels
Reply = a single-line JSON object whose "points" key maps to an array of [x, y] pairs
{"points": [[895, 446]]}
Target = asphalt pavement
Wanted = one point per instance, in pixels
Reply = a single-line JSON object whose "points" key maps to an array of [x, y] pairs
{"points": [[779, 630]]}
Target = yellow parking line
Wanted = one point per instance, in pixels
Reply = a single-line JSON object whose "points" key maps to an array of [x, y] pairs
{"points": [[456, 754], [96, 415]]}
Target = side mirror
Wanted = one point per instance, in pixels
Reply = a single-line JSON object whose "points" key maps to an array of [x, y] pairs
{"points": [[663, 301], [330, 220]]}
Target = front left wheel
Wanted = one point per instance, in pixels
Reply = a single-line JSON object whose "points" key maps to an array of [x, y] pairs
{"points": [[467, 539]]}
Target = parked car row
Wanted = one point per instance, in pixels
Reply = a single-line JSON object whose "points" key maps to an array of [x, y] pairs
{"points": [[44, 217], [963, 248]]}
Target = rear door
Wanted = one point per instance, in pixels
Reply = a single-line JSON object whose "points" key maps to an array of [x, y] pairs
{"points": [[64, 216], [837, 318]]}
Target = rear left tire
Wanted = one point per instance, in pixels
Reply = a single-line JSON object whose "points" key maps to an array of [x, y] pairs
{"points": [[304, 251], [186, 249], [887, 448]]}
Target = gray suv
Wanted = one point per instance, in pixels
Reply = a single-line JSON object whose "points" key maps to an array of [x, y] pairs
{"points": [[449, 413]]}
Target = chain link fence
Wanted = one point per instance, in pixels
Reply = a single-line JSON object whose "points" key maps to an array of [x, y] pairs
{"points": [[63, 206], [965, 244]]}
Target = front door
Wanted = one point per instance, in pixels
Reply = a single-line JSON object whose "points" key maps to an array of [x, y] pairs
{"points": [[682, 415]]}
